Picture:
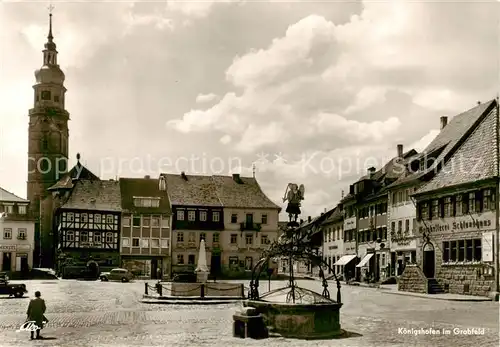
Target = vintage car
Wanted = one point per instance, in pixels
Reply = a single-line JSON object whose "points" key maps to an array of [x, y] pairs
{"points": [[17, 290], [186, 277], [117, 275]]}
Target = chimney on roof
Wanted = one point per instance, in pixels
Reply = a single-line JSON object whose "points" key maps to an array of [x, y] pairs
{"points": [[237, 178], [371, 171], [444, 122], [400, 151], [147, 177], [309, 219], [183, 175], [301, 221]]}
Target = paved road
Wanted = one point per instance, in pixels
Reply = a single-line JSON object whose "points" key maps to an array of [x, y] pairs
{"points": [[110, 314]]}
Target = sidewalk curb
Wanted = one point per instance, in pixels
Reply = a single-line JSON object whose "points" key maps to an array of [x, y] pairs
{"points": [[423, 296]]}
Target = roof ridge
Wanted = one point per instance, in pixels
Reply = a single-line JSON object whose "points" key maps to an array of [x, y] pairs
{"points": [[5, 190]]}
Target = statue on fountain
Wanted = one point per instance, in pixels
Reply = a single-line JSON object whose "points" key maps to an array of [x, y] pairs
{"points": [[294, 195]]}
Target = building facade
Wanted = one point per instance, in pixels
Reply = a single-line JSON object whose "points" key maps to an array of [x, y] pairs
{"points": [[88, 225], [145, 229], [401, 223], [333, 240], [47, 147], [250, 223], [17, 238], [457, 209], [349, 258], [197, 214]]}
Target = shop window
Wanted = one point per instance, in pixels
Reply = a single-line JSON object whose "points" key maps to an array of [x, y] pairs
{"points": [[446, 251], [477, 250], [461, 250], [469, 250], [453, 251]]}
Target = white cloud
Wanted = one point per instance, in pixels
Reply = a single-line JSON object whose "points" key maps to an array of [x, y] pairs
{"points": [[201, 98], [226, 139], [422, 143]]}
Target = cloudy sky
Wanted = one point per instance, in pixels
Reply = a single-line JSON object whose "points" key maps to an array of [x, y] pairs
{"points": [[312, 92]]}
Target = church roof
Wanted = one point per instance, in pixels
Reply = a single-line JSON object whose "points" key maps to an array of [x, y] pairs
{"points": [[95, 195], [78, 172], [142, 187], [474, 160], [6, 196]]}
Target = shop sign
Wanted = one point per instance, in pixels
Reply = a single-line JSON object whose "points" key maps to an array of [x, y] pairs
{"points": [[487, 245], [7, 248], [333, 247], [473, 222], [350, 223]]}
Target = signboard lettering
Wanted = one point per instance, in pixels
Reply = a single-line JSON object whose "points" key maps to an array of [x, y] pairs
{"points": [[463, 223], [7, 248]]}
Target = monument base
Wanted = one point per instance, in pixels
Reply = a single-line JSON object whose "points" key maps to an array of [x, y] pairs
{"points": [[201, 276], [215, 289]]}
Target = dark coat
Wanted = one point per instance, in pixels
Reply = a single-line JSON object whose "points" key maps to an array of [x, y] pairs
{"points": [[36, 310]]}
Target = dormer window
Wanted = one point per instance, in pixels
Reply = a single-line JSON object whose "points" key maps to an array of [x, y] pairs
{"points": [[22, 209]]}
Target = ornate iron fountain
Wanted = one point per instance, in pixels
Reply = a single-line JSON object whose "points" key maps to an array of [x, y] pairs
{"points": [[293, 311]]}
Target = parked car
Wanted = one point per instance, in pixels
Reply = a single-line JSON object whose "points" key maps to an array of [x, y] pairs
{"points": [[43, 274], [117, 275], [3, 276], [17, 290], [185, 278]]}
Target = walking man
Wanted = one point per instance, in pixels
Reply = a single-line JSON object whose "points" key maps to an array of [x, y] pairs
{"points": [[35, 312]]}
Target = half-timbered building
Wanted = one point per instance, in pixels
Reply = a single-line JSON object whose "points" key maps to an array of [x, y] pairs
{"points": [[88, 227]]}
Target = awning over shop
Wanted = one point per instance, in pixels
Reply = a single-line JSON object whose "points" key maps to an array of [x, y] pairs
{"points": [[345, 259], [365, 260]]}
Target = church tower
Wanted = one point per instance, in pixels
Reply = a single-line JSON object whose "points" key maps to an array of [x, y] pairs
{"points": [[48, 128]]}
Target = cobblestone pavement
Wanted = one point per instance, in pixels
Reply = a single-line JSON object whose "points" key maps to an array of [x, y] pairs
{"points": [[110, 314]]}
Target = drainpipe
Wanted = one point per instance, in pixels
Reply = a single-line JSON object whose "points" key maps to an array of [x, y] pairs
{"points": [[497, 202]]}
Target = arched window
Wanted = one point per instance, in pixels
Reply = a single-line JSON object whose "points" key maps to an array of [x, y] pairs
{"points": [[46, 95], [70, 236]]}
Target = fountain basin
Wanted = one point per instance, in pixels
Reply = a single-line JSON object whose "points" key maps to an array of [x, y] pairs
{"points": [[311, 317]]}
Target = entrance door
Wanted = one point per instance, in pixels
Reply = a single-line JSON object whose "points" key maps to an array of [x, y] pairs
{"points": [[429, 265], [6, 265], [24, 264], [215, 264], [154, 268]]}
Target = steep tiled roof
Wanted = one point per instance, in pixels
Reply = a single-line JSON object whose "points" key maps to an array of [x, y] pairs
{"points": [[95, 195], [7, 196], [335, 216], [77, 172], [474, 160], [245, 193], [196, 190], [449, 137], [142, 187]]}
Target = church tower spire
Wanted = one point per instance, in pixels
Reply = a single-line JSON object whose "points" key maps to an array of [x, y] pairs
{"points": [[47, 138]]}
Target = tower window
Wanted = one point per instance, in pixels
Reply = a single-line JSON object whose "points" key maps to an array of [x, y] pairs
{"points": [[46, 95], [56, 98], [45, 144]]}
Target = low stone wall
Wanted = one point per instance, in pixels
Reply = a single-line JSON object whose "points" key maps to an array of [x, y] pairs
{"points": [[466, 280], [413, 280], [210, 289]]}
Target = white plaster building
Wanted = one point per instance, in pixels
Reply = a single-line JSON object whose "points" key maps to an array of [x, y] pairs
{"points": [[17, 237]]}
